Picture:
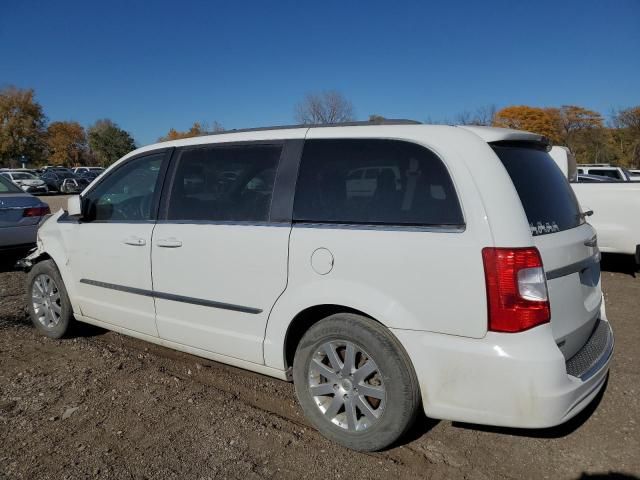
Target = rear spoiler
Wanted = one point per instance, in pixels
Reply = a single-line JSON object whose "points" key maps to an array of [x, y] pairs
{"points": [[508, 136], [544, 144]]}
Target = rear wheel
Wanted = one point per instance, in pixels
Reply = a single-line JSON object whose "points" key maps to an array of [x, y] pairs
{"points": [[355, 382], [48, 302]]}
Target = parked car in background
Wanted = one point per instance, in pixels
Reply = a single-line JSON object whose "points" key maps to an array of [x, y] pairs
{"points": [[616, 214], [27, 170], [74, 185], [27, 181], [584, 178], [54, 178], [605, 170], [20, 215], [468, 285], [81, 170], [634, 174], [614, 205], [55, 168], [90, 175]]}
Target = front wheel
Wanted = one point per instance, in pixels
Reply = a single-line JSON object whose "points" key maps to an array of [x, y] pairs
{"points": [[355, 382], [47, 300]]}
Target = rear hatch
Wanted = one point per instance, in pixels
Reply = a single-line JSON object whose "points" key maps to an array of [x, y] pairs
{"points": [[566, 242]]}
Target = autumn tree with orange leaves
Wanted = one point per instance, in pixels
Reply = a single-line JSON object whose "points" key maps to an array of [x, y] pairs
{"points": [[580, 129], [66, 143], [544, 121], [197, 129]]}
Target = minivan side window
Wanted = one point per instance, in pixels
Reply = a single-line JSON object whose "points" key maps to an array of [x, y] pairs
{"points": [[127, 194], [404, 184], [224, 183]]}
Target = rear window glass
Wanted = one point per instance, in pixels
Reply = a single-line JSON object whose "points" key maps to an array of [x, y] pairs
{"points": [[373, 181], [545, 193]]}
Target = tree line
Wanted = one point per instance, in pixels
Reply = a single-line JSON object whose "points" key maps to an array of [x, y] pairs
{"points": [[26, 136], [25, 133], [589, 136], [586, 132]]}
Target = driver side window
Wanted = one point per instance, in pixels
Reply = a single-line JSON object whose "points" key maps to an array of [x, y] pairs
{"points": [[127, 194]]}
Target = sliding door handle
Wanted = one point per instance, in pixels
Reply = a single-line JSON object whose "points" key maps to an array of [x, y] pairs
{"points": [[169, 242], [135, 241]]}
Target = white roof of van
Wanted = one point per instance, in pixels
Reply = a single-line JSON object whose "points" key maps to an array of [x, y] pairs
{"points": [[488, 134]]}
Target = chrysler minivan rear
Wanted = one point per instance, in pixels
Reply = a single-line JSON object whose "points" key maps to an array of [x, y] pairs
{"points": [[548, 342]]}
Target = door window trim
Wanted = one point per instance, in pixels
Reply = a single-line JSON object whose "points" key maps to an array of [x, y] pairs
{"points": [[281, 206]]}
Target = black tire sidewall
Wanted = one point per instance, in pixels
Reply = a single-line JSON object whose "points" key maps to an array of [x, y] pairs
{"points": [[401, 386], [49, 268]]}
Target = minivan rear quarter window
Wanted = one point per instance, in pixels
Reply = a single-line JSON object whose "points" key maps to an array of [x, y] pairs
{"points": [[545, 193], [374, 181]]}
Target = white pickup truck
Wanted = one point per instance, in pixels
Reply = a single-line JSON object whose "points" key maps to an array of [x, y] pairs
{"points": [[615, 206]]}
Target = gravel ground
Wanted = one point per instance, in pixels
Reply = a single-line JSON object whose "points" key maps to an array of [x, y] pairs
{"points": [[101, 405]]}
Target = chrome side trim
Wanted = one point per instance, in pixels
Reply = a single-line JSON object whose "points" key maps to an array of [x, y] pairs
{"points": [[391, 228], [172, 297], [574, 267], [247, 223]]}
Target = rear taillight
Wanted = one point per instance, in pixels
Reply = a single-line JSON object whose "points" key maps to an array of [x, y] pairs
{"points": [[516, 289], [36, 211]]}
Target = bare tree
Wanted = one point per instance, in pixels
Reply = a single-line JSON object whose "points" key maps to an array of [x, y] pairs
{"points": [[325, 107], [217, 127], [486, 115], [482, 116], [464, 118]]}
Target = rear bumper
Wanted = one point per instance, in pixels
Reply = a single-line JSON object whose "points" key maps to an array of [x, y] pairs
{"points": [[15, 237], [512, 380]]}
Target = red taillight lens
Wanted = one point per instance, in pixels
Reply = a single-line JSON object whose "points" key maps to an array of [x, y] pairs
{"points": [[516, 289], [36, 211]]}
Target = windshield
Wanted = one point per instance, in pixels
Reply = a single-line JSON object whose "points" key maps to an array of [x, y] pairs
{"points": [[544, 191], [23, 176], [7, 187]]}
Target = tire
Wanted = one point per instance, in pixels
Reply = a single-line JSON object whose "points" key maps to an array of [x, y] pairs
{"points": [[377, 420], [45, 288]]}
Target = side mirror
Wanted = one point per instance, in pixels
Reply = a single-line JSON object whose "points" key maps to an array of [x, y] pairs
{"points": [[74, 206]]}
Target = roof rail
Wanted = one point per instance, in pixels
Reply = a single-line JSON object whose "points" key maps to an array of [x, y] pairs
{"points": [[386, 121], [594, 165]]}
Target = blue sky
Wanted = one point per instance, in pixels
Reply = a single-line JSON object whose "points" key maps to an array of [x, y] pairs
{"points": [[150, 66]]}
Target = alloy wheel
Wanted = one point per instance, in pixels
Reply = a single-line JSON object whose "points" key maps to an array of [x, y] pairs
{"points": [[45, 297], [346, 385]]}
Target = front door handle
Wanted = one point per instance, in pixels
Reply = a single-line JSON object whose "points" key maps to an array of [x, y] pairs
{"points": [[169, 242], [135, 241]]}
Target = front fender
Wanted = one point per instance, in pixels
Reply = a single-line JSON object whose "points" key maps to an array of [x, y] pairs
{"points": [[51, 244]]}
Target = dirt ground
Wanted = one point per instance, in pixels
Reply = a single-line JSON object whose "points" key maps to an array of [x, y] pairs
{"points": [[101, 405]]}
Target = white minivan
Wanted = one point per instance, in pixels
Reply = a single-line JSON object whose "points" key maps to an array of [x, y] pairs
{"points": [[464, 282]]}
